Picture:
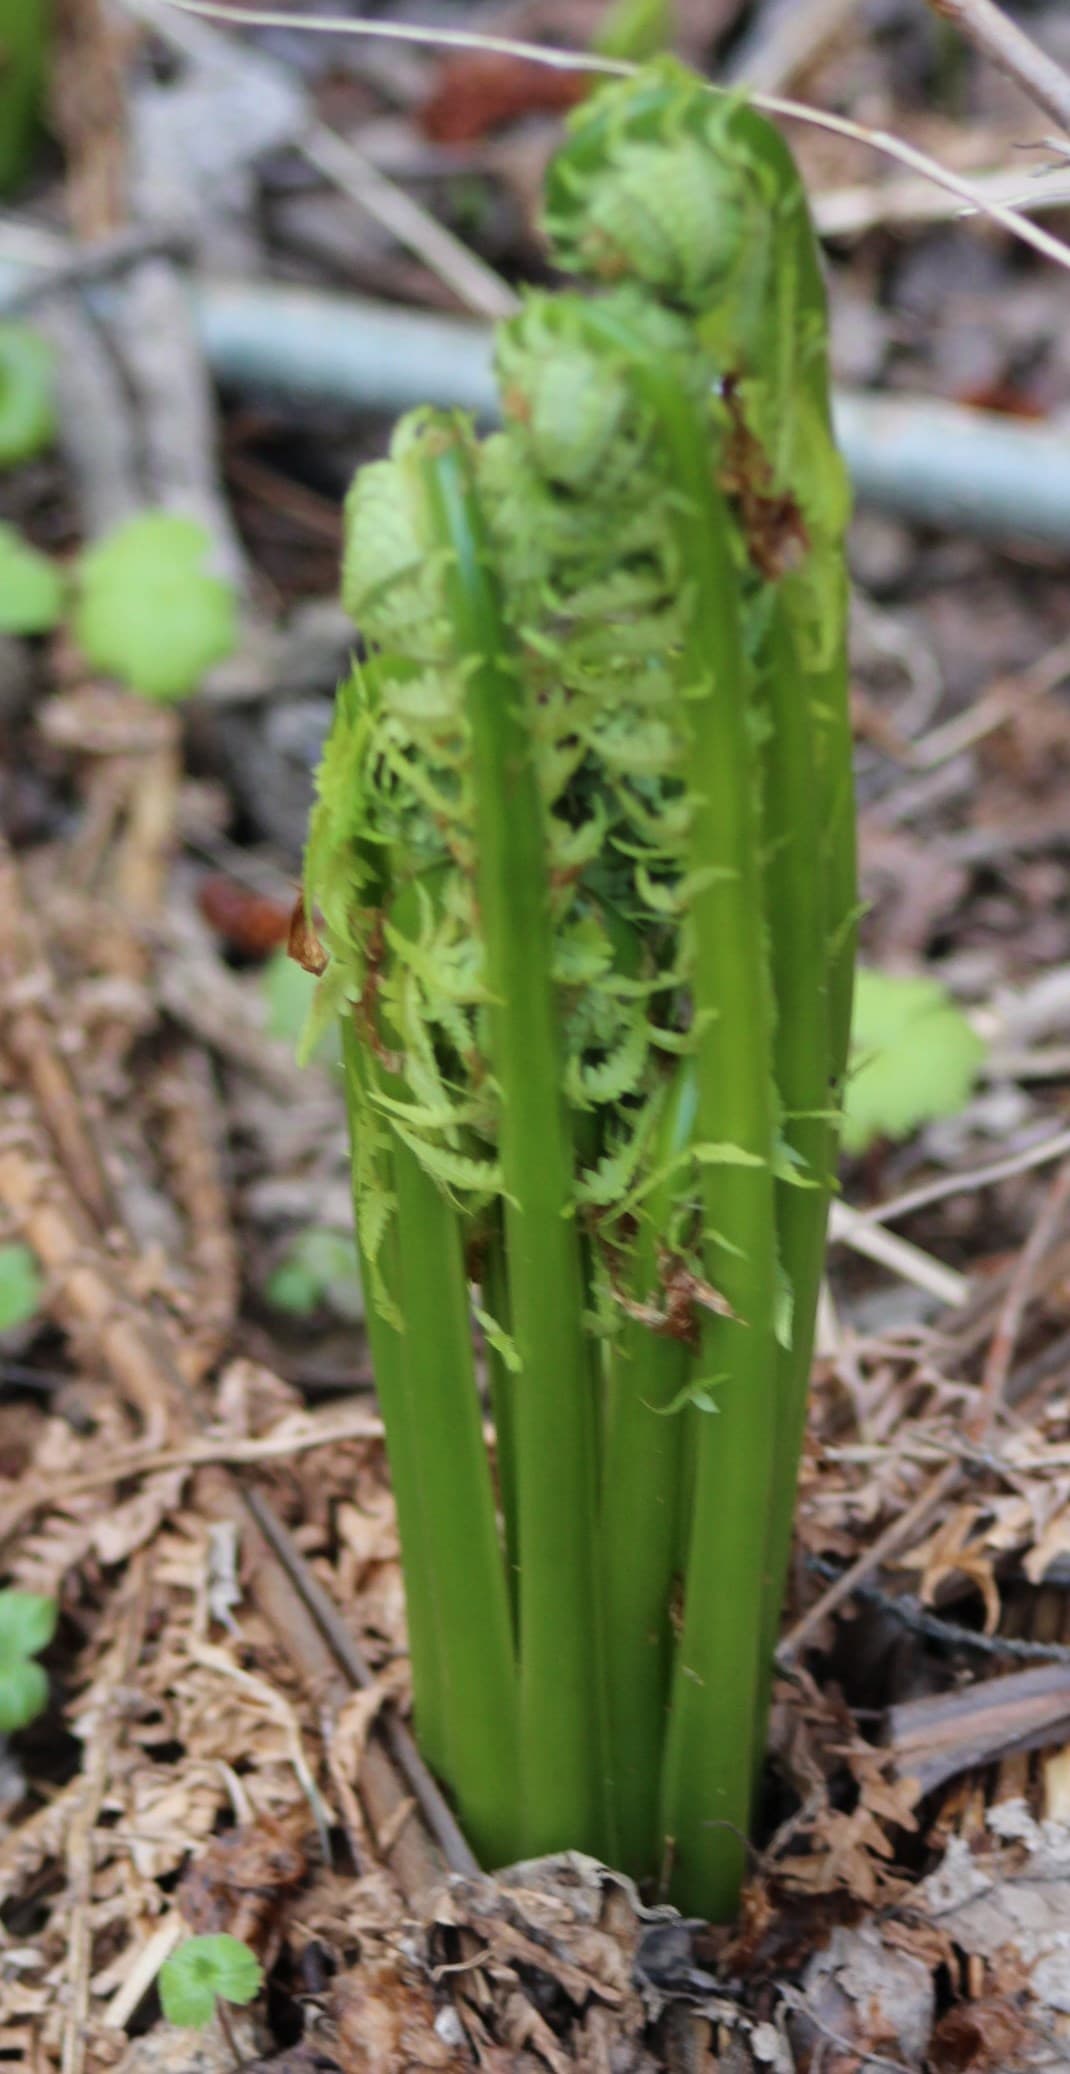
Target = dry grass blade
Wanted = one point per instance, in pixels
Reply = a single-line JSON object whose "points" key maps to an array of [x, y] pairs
{"points": [[475, 283], [1055, 1147], [409, 32], [584, 61]]}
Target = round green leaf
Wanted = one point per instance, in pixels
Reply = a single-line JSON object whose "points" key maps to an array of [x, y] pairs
{"points": [[27, 412], [23, 1693], [20, 1287], [289, 991], [31, 587], [914, 1058], [204, 1970], [148, 612], [27, 1624], [321, 1266]]}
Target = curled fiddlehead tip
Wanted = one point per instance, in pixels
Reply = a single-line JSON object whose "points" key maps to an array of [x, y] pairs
{"points": [[656, 181], [390, 583], [570, 403]]}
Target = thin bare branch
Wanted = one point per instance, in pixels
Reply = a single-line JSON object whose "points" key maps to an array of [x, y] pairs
{"points": [[586, 61]]}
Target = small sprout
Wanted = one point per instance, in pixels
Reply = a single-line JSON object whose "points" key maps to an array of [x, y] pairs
{"points": [[24, 33], [20, 1286], [205, 1971], [698, 1390], [320, 1267], [289, 992], [27, 1625], [27, 412], [31, 587], [291, 995], [634, 29], [148, 612], [915, 1058]]}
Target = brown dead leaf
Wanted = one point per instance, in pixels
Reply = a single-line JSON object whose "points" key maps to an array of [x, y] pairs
{"points": [[484, 90], [302, 943], [386, 2017], [954, 1551], [773, 525], [118, 1532], [240, 1884], [979, 2038]]}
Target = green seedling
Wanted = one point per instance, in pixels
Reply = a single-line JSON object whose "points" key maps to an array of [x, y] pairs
{"points": [[915, 1058], [292, 1016], [142, 605], [32, 592], [24, 27], [27, 408], [319, 1268], [583, 868], [20, 1287], [634, 29], [27, 1625], [148, 612], [203, 1974]]}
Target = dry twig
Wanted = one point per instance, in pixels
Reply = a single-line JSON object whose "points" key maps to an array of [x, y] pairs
{"points": [[583, 61]]}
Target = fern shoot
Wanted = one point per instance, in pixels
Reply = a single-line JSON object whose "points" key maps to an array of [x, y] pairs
{"points": [[582, 864]]}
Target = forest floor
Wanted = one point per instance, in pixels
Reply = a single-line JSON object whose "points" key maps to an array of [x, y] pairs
{"points": [[191, 1459]]}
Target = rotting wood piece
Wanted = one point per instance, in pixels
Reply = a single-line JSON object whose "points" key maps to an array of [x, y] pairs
{"points": [[933, 1739]]}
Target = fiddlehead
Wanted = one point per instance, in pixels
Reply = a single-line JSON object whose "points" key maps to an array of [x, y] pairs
{"points": [[583, 858]]}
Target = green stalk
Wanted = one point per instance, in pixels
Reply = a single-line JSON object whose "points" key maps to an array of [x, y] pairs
{"points": [[495, 1291], [839, 859], [559, 1660], [401, 1419], [713, 1726], [714, 1722], [24, 30], [475, 1639], [798, 938], [460, 1631], [639, 1538]]}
